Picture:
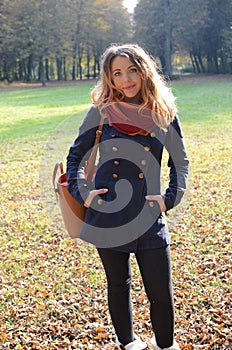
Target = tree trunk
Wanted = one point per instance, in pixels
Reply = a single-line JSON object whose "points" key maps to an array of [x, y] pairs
{"points": [[230, 67], [74, 68], [96, 67], [80, 67], [209, 64], [5, 70], [201, 63], [20, 70], [197, 64], [41, 72], [59, 68], [193, 63], [88, 64], [51, 70], [168, 39], [163, 63], [215, 59], [223, 65], [47, 69], [64, 68], [15, 72], [25, 70], [75, 39], [29, 67]]}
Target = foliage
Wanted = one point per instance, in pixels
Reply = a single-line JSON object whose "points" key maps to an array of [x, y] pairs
{"points": [[153, 23], [64, 39], [53, 290], [42, 37], [196, 27]]}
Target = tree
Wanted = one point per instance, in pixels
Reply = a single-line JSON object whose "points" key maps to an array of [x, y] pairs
{"points": [[191, 18], [227, 40], [8, 41], [153, 28], [200, 27], [219, 22]]}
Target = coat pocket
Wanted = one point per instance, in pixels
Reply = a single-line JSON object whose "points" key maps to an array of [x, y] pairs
{"points": [[154, 209]]}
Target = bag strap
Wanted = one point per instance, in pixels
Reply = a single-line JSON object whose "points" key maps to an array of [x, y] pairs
{"points": [[59, 165], [93, 156], [91, 161]]}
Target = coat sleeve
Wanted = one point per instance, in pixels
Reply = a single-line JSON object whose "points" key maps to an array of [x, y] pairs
{"points": [[178, 164], [78, 155]]}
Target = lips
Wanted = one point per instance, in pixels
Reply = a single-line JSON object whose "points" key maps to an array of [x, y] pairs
{"points": [[130, 87]]}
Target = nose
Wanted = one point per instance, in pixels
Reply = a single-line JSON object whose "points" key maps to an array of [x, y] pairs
{"points": [[126, 77]]}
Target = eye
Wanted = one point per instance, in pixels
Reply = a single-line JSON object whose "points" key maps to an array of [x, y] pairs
{"points": [[133, 70], [117, 74]]}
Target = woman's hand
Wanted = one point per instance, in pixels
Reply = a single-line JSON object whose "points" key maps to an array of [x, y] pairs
{"points": [[93, 194], [159, 199]]}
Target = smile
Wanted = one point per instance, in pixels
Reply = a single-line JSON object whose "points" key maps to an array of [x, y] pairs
{"points": [[130, 87]]}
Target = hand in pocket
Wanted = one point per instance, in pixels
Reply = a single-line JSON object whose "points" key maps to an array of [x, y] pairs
{"points": [[158, 198], [93, 194]]}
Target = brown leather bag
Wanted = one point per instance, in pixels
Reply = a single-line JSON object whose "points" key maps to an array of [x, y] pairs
{"points": [[72, 212]]}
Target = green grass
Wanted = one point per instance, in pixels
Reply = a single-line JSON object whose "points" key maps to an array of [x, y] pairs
{"points": [[37, 111], [51, 287], [200, 101]]}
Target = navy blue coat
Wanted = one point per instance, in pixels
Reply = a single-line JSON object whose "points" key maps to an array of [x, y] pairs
{"points": [[129, 166]]}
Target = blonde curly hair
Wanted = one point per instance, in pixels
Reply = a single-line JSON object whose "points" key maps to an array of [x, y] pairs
{"points": [[155, 93]]}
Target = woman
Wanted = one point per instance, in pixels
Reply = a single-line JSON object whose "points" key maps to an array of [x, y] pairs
{"points": [[126, 210]]}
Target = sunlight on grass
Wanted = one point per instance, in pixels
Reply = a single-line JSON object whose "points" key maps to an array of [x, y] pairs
{"points": [[38, 111]]}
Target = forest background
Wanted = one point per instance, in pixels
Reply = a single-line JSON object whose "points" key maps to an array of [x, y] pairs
{"points": [[63, 39]]}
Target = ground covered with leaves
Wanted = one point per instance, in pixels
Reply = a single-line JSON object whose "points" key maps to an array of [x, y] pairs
{"points": [[53, 289]]}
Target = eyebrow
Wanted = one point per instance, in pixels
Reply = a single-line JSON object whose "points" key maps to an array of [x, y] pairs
{"points": [[132, 65]]}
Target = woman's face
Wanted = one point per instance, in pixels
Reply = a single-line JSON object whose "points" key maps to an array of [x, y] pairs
{"points": [[126, 77]]}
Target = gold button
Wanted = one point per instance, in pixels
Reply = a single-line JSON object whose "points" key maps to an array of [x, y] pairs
{"points": [[100, 201], [115, 176], [114, 149], [152, 134], [141, 176], [151, 204], [116, 162], [143, 162], [147, 148]]}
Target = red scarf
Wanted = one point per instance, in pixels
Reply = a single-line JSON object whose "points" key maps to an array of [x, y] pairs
{"points": [[127, 119]]}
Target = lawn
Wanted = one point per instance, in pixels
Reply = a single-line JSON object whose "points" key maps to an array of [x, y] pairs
{"points": [[52, 289]]}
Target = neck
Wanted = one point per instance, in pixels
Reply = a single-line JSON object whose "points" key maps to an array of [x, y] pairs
{"points": [[137, 99]]}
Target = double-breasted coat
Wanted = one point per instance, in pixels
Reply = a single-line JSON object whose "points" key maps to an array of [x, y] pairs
{"points": [[130, 168]]}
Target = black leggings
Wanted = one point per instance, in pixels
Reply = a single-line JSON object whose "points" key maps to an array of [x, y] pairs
{"points": [[155, 269]]}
